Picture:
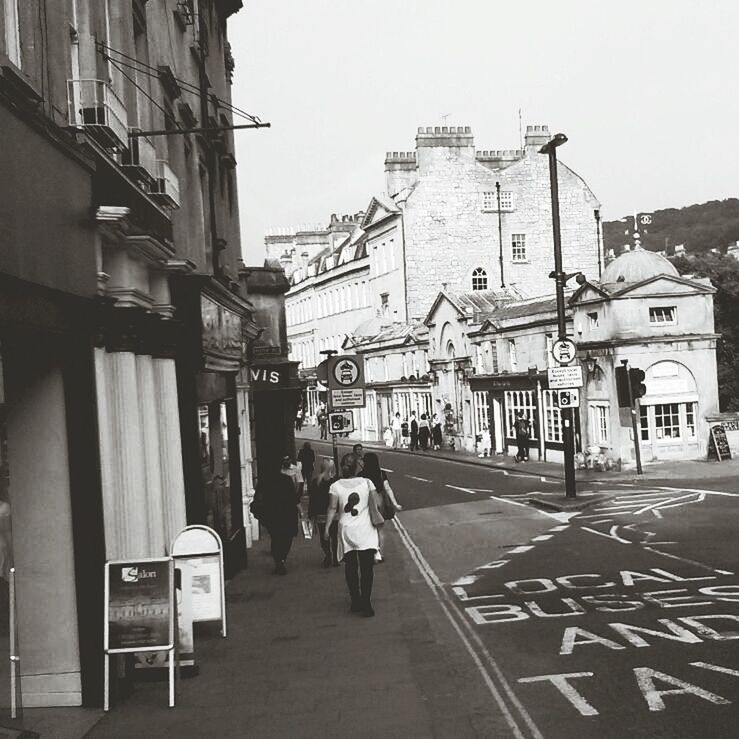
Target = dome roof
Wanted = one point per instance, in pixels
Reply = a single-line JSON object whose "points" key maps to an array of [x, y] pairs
{"points": [[637, 265]]}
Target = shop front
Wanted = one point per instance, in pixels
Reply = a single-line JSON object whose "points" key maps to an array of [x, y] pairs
{"points": [[216, 325]]}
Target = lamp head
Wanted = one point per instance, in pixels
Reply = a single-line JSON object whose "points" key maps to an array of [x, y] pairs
{"points": [[557, 140]]}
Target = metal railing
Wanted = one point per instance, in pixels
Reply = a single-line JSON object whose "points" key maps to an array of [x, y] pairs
{"points": [[141, 155], [94, 104], [166, 185]]}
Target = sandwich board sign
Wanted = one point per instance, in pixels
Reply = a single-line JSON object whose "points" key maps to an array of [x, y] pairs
{"points": [[201, 548], [140, 612]]}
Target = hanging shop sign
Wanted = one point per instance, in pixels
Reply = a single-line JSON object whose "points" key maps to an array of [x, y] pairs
{"points": [[221, 335], [267, 376], [201, 548], [139, 611]]}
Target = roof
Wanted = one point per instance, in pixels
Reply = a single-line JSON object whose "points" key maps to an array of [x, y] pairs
{"points": [[475, 302], [636, 266], [388, 333]]}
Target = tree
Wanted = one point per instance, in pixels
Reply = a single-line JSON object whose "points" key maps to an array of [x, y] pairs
{"points": [[723, 272]]}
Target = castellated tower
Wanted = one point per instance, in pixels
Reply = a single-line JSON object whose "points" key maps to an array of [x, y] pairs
{"points": [[451, 216]]}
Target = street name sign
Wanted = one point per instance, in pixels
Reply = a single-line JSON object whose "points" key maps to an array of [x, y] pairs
{"points": [[341, 422], [563, 378], [564, 350]]}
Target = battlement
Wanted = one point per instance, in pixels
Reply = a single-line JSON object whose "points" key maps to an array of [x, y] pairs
{"points": [[351, 219], [444, 136], [500, 154], [400, 157], [444, 130]]}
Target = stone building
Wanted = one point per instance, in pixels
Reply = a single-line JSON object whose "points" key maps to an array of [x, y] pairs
{"points": [[122, 324], [470, 220], [488, 354]]}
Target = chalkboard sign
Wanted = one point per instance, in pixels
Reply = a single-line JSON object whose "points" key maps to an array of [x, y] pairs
{"points": [[719, 444]]}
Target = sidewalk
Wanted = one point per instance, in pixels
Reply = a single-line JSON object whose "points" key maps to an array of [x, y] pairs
{"points": [[667, 470], [297, 664]]}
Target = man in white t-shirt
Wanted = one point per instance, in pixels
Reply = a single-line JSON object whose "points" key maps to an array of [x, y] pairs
{"points": [[397, 428]]}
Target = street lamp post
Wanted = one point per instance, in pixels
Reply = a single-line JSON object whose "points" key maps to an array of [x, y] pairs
{"points": [[328, 353], [560, 278]]}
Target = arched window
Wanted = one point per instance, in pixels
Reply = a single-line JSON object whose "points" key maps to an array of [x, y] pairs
{"points": [[479, 279]]}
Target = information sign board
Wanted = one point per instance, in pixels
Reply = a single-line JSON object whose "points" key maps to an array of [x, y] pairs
{"points": [[347, 398], [719, 443], [139, 612], [562, 378], [569, 398], [341, 422], [202, 549]]}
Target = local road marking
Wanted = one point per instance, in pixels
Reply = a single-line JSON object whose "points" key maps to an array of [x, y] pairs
{"points": [[561, 682], [607, 536], [461, 625], [715, 668], [420, 479]]}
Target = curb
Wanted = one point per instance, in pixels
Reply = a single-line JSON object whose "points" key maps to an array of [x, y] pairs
{"points": [[472, 461], [563, 504]]}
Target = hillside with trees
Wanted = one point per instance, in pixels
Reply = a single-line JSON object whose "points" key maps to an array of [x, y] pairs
{"points": [[711, 225]]}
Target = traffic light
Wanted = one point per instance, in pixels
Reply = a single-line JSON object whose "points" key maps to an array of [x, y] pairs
{"points": [[636, 380], [622, 387]]}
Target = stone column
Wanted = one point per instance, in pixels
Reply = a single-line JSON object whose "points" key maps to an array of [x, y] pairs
{"points": [[122, 457], [172, 477], [151, 492]]}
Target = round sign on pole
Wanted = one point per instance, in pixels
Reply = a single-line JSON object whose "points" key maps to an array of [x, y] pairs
{"points": [[564, 350], [346, 372]]}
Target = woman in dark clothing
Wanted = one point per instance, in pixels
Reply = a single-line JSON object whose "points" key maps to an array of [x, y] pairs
{"points": [[436, 433], [317, 507], [375, 474], [307, 459], [424, 432], [280, 516]]}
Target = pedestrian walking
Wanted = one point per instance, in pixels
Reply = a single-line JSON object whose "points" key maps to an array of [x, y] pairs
{"points": [[323, 421], [358, 451], [523, 432], [397, 428], [318, 489], [485, 442], [279, 514], [436, 435], [424, 433], [385, 498], [299, 419], [414, 432], [307, 459], [351, 499]]}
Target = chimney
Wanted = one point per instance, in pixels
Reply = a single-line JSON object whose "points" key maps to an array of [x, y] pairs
{"points": [[443, 145], [536, 137], [401, 172]]}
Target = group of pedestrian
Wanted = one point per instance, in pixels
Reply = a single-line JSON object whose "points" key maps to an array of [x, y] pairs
{"points": [[425, 433], [347, 511]]}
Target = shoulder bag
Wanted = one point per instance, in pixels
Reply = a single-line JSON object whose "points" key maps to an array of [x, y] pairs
{"points": [[376, 516]]}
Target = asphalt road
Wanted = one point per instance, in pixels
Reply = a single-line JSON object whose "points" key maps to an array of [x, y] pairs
{"points": [[621, 620]]}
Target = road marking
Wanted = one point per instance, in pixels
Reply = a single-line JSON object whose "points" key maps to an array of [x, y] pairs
{"points": [[460, 625], [607, 536], [559, 528], [701, 490], [494, 565], [520, 550], [385, 469], [420, 479], [543, 537], [464, 490], [688, 561], [466, 580]]}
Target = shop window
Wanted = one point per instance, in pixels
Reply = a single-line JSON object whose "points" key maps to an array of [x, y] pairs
{"points": [[521, 400], [690, 419], [482, 410], [644, 422], [479, 279], [667, 421], [553, 417], [663, 315]]}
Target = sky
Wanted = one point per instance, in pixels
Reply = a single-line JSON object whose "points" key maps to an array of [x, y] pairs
{"points": [[646, 93]]}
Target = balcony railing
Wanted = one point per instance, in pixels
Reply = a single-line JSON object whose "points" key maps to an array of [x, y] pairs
{"points": [[140, 158], [166, 187], [94, 105]]}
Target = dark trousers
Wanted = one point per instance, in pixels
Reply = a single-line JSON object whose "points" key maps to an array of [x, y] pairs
{"points": [[523, 446], [330, 545], [324, 430], [414, 442], [281, 544], [359, 573]]}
